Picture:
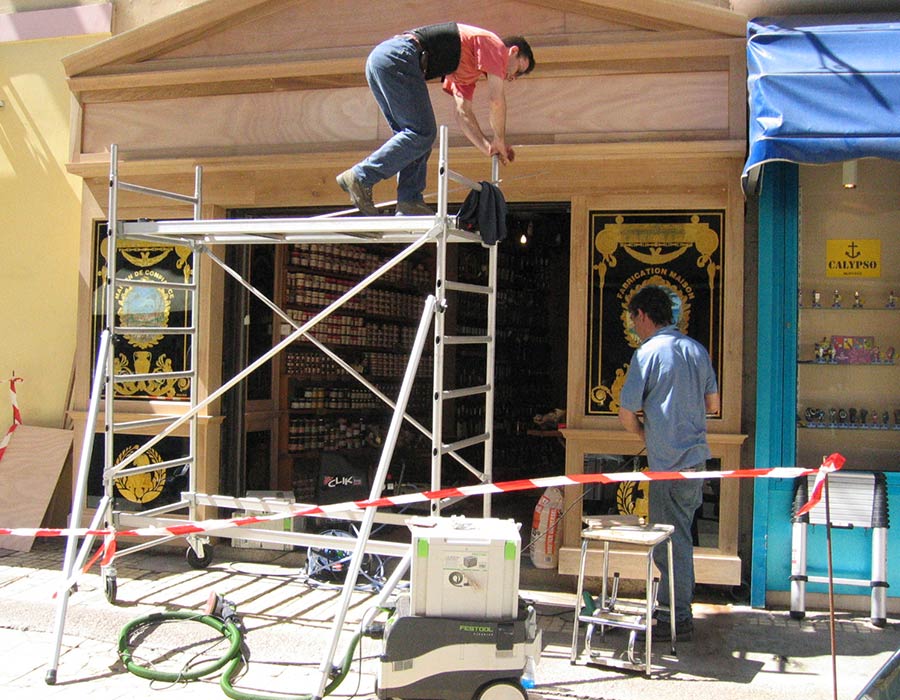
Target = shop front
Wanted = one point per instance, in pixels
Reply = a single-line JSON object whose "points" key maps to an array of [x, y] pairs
{"points": [[631, 131], [823, 169]]}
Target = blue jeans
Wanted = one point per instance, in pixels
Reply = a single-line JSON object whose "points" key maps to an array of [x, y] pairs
{"points": [[674, 503], [398, 84]]}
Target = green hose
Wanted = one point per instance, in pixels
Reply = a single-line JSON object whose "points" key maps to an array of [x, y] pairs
{"points": [[231, 661]]}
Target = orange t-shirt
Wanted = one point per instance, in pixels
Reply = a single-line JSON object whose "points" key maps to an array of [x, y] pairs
{"points": [[482, 52]]}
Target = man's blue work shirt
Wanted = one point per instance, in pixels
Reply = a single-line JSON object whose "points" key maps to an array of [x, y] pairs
{"points": [[669, 377]]}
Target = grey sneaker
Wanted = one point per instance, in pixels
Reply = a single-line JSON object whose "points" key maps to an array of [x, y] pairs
{"points": [[360, 195], [414, 208]]}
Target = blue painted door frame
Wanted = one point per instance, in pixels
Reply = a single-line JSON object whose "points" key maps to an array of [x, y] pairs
{"points": [[776, 351]]}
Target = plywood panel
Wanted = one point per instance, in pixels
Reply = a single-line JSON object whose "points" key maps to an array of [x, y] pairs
{"points": [[312, 116], [29, 472], [619, 104], [324, 23], [600, 105]]}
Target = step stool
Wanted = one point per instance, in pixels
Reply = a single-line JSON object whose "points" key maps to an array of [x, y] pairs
{"points": [[610, 612]]}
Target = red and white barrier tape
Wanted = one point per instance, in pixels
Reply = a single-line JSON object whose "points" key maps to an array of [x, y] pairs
{"points": [[830, 464], [17, 416], [827, 467]]}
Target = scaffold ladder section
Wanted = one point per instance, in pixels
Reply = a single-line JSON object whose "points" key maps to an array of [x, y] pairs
{"points": [[122, 466], [444, 286], [108, 375]]}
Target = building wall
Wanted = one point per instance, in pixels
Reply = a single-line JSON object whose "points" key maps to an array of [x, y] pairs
{"points": [[40, 218]]}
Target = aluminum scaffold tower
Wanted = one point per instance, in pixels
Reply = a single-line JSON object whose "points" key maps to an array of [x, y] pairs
{"points": [[197, 234]]}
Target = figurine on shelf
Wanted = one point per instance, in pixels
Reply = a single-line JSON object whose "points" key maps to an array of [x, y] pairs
{"points": [[863, 415], [885, 419], [892, 301], [874, 417], [896, 417], [857, 302], [815, 417], [820, 351], [852, 416], [817, 299], [889, 355], [836, 300], [832, 416]]}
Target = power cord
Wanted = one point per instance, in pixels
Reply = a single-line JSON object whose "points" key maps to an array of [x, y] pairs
{"points": [[221, 615]]}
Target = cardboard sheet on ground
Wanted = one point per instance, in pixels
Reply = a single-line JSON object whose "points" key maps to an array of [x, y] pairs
{"points": [[29, 472]]}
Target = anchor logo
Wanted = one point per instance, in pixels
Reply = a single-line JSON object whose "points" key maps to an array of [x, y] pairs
{"points": [[852, 251]]}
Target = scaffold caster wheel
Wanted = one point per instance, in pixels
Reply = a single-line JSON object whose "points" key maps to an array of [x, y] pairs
{"points": [[502, 690], [195, 561], [110, 589], [50, 678]]}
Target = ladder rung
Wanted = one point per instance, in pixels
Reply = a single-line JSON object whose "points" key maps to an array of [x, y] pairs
{"points": [[140, 189], [467, 339], [155, 283], [143, 469], [466, 287], [863, 583], [154, 330], [466, 391], [145, 422], [463, 180], [257, 505], [162, 510], [150, 377], [468, 442]]}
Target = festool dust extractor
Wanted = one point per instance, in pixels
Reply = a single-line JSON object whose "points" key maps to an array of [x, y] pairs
{"points": [[462, 633]]}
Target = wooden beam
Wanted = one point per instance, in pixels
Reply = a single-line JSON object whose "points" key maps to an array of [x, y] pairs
{"points": [[675, 45], [168, 33], [271, 72], [96, 165], [710, 566], [657, 15], [212, 80]]}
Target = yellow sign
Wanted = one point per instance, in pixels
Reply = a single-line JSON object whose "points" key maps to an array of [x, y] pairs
{"points": [[854, 257]]}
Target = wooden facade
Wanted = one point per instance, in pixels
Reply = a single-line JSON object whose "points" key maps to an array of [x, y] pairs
{"points": [[636, 105]]}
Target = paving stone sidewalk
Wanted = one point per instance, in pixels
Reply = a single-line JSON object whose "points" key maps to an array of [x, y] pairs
{"points": [[737, 652]]}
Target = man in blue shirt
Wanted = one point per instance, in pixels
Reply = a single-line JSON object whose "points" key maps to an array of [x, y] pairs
{"points": [[670, 379]]}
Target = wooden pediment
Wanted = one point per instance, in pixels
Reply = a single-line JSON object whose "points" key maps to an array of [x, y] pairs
{"points": [[224, 46], [256, 77]]}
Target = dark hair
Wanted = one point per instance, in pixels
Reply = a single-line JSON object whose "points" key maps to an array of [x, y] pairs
{"points": [[653, 301], [524, 49]]}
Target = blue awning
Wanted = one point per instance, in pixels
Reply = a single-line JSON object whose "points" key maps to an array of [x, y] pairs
{"points": [[822, 90]]}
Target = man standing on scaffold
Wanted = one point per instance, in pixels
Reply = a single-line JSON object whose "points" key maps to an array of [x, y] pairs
{"points": [[397, 71]]}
